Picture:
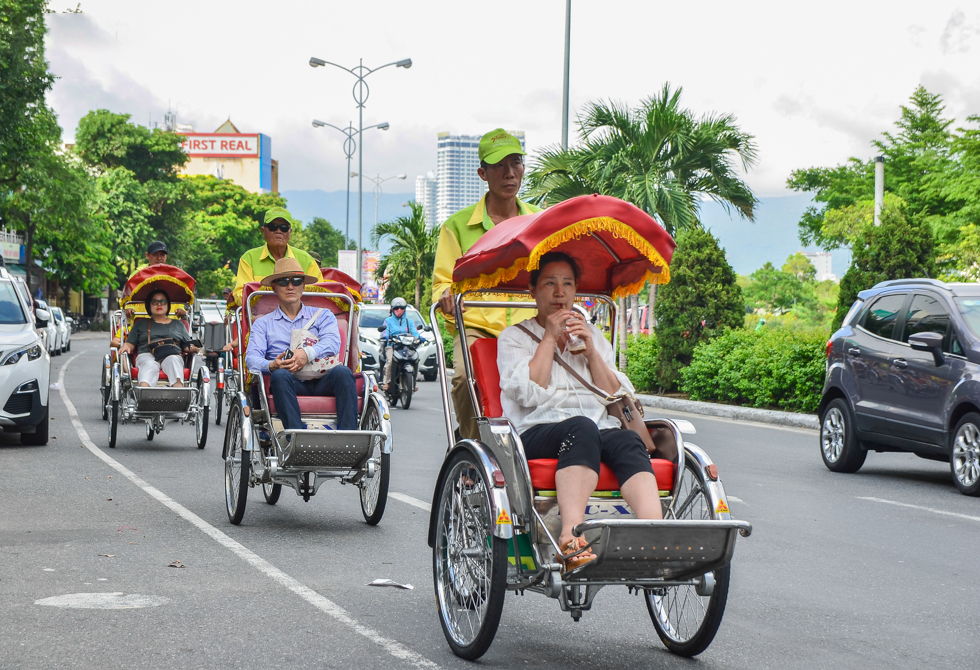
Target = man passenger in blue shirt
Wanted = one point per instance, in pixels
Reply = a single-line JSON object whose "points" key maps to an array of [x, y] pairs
{"points": [[269, 341], [396, 324]]}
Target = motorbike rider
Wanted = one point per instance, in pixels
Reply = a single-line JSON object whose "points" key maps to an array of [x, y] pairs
{"points": [[396, 324]]}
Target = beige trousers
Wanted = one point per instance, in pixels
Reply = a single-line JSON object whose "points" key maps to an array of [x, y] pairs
{"points": [[461, 395]]}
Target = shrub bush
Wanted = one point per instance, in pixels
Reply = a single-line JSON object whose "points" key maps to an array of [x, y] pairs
{"points": [[775, 369], [641, 361]]}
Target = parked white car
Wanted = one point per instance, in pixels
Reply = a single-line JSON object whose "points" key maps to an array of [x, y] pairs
{"points": [[25, 365], [370, 320], [50, 329], [64, 329]]}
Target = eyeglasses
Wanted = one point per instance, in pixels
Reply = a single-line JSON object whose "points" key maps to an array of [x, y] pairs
{"points": [[398, 309], [286, 281], [273, 227], [158, 302]]}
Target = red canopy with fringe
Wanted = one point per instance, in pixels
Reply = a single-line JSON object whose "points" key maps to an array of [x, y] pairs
{"points": [[177, 284], [618, 247]]}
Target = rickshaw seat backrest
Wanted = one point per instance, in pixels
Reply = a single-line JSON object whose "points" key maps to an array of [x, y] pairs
{"points": [[487, 375]]}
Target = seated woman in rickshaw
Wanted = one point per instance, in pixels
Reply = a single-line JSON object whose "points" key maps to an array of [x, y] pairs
{"points": [[158, 326], [558, 417]]}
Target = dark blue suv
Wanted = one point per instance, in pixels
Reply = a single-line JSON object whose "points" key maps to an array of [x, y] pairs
{"points": [[903, 374]]}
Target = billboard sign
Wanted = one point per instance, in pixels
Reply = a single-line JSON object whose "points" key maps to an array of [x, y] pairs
{"points": [[221, 145]]}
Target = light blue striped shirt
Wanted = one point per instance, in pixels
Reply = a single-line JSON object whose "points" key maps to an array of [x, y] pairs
{"points": [[270, 336]]}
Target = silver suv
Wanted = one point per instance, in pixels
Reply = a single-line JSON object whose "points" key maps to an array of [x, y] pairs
{"points": [[25, 366]]}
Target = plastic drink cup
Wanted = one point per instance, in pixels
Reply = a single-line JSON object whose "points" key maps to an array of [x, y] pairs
{"points": [[576, 344]]}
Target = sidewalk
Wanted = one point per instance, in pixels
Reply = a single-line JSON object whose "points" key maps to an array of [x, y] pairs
{"points": [[90, 335], [770, 416]]}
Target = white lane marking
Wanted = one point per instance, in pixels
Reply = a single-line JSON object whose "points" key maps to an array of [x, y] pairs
{"points": [[410, 500], [103, 601], [924, 509], [738, 500], [323, 604]]}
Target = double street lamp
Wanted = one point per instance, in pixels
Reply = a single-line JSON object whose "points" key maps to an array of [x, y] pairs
{"points": [[378, 181], [361, 93], [349, 146]]}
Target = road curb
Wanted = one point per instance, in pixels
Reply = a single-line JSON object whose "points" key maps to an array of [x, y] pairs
{"points": [[769, 416]]}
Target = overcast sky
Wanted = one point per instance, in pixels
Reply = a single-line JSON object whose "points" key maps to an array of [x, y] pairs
{"points": [[814, 82]]}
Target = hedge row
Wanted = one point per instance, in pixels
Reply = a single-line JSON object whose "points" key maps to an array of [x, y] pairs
{"points": [[765, 368]]}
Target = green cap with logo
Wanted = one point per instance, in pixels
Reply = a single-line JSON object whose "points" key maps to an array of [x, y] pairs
{"points": [[278, 213], [497, 145]]}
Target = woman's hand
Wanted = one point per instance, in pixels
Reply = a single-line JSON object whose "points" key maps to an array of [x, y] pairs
{"points": [[126, 348], [192, 349], [554, 326], [578, 326]]}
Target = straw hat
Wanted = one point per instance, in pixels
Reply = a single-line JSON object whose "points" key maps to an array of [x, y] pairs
{"points": [[287, 267]]}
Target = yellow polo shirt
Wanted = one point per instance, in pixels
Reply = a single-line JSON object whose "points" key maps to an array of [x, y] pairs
{"points": [[257, 264]]}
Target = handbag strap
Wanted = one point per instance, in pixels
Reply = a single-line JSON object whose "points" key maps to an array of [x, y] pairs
{"points": [[314, 318], [570, 370]]}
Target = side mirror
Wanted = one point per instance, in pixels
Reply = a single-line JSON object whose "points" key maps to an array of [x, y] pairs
{"points": [[383, 327], [41, 317], [929, 342], [427, 329]]}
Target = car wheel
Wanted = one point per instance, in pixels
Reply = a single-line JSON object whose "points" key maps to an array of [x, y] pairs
{"points": [[839, 446], [429, 376], [964, 457]]}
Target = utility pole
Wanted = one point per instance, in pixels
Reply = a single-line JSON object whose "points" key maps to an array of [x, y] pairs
{"points": [[564, 96], [879, 187]]}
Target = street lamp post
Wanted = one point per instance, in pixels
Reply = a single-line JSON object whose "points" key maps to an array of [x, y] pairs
{"points": [[349, 146], [378, 180], [361, 92]]}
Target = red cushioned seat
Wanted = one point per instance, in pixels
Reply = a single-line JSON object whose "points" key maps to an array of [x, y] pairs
{"points": [[134, 372], [487, 375], [319, 404], [543, 474]]}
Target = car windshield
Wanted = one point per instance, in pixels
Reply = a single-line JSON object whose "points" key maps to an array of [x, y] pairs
{"points": [[57, 315], [969, 307], [10, 310]]}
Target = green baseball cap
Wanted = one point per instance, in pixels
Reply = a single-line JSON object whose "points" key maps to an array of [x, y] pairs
{"points": [[497, 145], [278, 213]]}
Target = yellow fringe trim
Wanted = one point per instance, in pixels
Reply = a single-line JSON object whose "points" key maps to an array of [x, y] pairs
{"points": [[574, 232], [156, 278]]}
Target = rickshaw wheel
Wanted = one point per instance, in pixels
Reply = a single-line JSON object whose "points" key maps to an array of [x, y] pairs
{"points": [[272, 493], [150, 432], [113, 422], [685, 621], [406, 390], [201, 424], [374, 490], [237, 465], [468, 562]]}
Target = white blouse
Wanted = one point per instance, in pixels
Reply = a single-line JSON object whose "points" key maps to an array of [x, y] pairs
{"points": [[527, 404]]}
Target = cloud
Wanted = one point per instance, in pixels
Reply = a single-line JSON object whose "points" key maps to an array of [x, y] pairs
{"points": [[76, 30], [957, 34], [915, 35], [787, 106]]}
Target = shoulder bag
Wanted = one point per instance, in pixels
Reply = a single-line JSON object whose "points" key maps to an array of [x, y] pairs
{"points": [[163, 347], [304, 337], [622, 406]]}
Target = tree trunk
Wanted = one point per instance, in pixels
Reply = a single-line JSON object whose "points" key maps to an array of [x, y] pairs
{"points": [[652, 308], [635, 314], [29, 253], [418, 293]]}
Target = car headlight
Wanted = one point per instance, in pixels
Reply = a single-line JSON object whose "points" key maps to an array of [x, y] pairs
{"points": [[32, 351]]}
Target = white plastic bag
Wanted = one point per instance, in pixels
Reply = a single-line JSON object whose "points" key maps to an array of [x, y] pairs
{"points": [[304, 337]]}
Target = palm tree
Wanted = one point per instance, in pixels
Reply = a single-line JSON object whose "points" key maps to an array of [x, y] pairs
{"points": [[658, 157], [412, 253]]}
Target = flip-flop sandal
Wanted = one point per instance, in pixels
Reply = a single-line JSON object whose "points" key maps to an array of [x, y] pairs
{"points": [[571, 559]]}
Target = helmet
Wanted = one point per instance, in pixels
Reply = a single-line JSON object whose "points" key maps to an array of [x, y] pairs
{"points": [[399, 302]]}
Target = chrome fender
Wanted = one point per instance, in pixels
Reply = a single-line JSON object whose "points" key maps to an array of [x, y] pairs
{"points": [[248, 435], [382, 403], [715, 490], [115, 391], [499, 500]]}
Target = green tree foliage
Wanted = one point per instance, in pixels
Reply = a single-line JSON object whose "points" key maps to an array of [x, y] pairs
{"points": [[142, 164], [919, 158], [24, 81], [411, 257], [701, 300], [900, 248], [641, 361], [773, 291], [800, 267], [321, 238], [222, 224], [659, 156], [765, 368], [212, 282]]}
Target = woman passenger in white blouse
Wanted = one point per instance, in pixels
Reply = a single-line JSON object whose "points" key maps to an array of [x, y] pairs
{"points": [[557, 417]]}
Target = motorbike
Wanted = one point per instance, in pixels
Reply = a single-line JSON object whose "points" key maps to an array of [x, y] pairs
{"points": [[404, 368]]}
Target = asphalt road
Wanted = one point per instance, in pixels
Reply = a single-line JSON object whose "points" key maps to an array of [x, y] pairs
{"points": [[872, 570]]}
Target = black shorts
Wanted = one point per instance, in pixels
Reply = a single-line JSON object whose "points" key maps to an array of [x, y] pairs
{"points": [[578, 441]]}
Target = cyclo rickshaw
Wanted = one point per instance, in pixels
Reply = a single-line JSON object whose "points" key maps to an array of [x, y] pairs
{"points": [[124, 401], [494, 521], [258, 452]]}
